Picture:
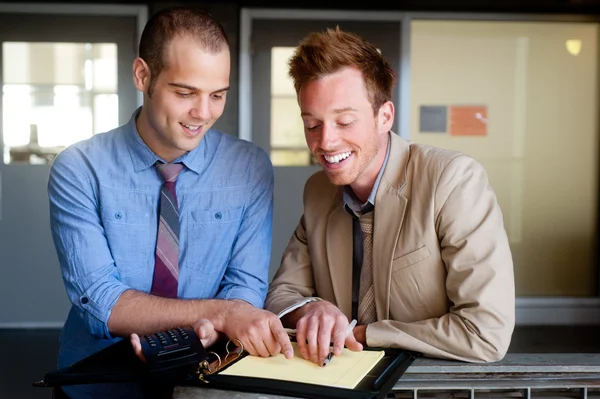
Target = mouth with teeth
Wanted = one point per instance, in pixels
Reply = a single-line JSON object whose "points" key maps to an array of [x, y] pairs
{"points": [[337, 159], [192, 129]]}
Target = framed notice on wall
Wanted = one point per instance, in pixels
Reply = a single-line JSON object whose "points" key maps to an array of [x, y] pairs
{"points": [[433, 118], [468, 120]]}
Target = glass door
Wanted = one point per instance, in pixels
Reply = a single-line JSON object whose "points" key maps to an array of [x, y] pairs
{"points": [[63, 78]]}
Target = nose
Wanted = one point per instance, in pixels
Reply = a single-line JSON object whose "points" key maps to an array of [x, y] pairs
{"points": [[201, 109], [328, 137]]}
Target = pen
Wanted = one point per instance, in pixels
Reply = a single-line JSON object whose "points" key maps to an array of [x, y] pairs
{"points": [[348, 331]]}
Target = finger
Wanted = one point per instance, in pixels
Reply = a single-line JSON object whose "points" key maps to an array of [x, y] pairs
{"points": [[301, 338], [283, 341], [255, 343], [207, 335], [249, 347], [324, 342], [136, 344], [273, 347], [204, 330], [268, 337], [352, 344], [339, 338], [311, 338], [260, 347], [210, 339]]}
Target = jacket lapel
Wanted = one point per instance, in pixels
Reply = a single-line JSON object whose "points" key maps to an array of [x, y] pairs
{"points": [[390, 208]]}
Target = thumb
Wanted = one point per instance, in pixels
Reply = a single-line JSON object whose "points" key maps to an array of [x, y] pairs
{"points": [[137, 346], [204, 328], [206, 332], [352, 344]]}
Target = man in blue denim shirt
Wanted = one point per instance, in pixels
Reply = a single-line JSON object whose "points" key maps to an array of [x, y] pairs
{"points": [[104, 195]]}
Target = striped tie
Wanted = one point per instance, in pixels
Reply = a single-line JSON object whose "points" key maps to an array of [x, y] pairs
{"points": [[366, 298], [166, 269]]}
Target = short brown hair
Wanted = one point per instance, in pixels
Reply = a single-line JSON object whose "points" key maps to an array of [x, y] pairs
{"points": [[323, 53], [178, 21]]}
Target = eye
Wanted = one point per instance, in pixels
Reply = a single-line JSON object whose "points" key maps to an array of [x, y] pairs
{"points": [[218, 96], [183, 94], [345, 124], [311, 128]]}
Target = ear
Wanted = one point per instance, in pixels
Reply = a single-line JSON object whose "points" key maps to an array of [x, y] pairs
{"points": [[141, 75], [385, 118]]}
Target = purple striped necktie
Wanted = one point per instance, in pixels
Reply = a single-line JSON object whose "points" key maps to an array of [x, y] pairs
{"points": [[166, 264]]}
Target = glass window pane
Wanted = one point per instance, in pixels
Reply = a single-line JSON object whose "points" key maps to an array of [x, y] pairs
{"points": [[106, 112], [55, 94], [286, 123], [291, 157], [521, 98], [104, 72], [288, 146]]}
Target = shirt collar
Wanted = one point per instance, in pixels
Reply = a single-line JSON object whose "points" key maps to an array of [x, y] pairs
{"points": [[352, 204], [143, 157]]}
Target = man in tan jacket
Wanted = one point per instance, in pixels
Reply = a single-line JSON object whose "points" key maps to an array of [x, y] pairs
{"points": [[424, 223]]}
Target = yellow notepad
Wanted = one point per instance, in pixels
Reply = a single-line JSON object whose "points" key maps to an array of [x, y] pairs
{"points": [[345, 370]]}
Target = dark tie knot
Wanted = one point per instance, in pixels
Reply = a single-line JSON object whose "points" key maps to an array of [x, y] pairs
{"points": [[169, 171]]}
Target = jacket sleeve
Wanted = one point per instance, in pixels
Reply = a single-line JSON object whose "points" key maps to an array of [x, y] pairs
{"points": [[480, 281], [293, 281]]}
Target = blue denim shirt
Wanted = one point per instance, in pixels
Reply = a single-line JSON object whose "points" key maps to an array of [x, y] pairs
{"points": [[104, 195]]}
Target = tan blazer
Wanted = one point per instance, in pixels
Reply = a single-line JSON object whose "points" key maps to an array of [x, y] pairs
{"points": [[442, 267]]}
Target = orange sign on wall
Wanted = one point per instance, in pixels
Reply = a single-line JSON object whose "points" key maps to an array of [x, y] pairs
{"points": [[468, 120]]}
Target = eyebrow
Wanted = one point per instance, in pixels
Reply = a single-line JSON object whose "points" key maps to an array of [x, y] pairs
{"points": [[335, 111], [192, 88]]}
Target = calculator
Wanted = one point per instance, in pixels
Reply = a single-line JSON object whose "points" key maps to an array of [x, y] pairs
{"points": [[172, 349]]}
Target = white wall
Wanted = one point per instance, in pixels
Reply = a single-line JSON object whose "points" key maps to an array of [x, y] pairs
{"points": [[541, 147]]}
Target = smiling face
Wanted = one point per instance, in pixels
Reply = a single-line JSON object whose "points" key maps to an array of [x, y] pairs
{"points": [[342, 132], [187, 99]]}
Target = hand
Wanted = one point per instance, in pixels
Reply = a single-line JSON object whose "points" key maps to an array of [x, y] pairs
{"points": [[320, 324], [260, 331], [360, 333], [203, 328]]}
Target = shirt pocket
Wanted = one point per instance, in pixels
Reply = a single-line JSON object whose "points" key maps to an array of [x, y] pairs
{"points": [[127, 231], [211, 236]]}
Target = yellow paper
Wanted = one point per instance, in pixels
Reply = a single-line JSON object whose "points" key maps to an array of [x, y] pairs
{"points": [[345, 370]]}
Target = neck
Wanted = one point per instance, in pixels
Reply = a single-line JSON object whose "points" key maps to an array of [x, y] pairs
{"points": [[362, 193], [144, 128], [363, 185]]}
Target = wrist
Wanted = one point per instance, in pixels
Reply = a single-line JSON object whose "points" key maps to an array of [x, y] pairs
{"points": [[308, 307], [218, 311], [291, 319]]}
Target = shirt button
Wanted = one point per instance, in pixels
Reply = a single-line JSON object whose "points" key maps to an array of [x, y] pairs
{"points": [[118, 215], [218, 215], [84, 300]]}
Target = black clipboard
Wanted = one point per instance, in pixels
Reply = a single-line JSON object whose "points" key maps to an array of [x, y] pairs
{"points": [[118, 363], [113, 364], [375, 385]]}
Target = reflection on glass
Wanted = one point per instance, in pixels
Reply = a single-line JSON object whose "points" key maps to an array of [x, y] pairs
{"points": [[55, 94], [288, 146]]}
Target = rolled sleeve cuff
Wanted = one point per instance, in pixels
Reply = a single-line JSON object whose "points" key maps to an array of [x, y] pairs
{"points": [[297, 305], [97, 303], [243, 293]]}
